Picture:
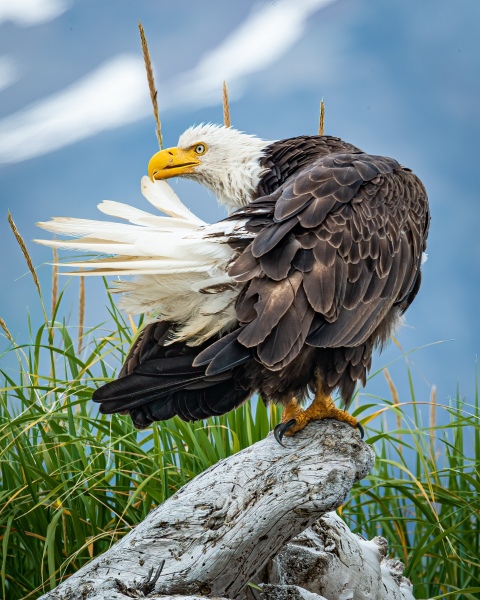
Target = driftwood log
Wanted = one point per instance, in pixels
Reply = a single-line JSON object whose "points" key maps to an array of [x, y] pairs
{"points": [[328, 561], [235, 521]]}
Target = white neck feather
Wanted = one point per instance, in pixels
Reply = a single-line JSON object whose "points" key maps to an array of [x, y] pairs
{"points": [[231, 166]]}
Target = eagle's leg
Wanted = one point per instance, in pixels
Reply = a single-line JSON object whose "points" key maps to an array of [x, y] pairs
{"points": [[294, 418]]}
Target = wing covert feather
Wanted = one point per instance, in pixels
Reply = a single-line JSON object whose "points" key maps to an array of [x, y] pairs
{"points": [[337, 246]]}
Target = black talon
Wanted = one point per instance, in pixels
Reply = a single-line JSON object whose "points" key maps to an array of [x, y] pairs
{"points": [[361, 430], [276, 434], [281, 429]]}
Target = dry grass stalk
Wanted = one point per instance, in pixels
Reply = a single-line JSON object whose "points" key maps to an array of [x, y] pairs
{"points": [[321, 121], [396, 401], [3, 325], [81, 313], [226, 106], [23, 247], [433, 407], [226, 116], [54, 280], [433, 412], [151, 83]]}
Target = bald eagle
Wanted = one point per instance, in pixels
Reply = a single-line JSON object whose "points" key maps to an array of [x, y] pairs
{"points": [[288, 296]]}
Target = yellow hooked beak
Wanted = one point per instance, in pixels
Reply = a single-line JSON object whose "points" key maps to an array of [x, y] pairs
{"points": [[172, 162]]}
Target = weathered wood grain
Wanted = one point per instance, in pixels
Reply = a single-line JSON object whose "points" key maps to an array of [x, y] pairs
{"points": [[328, 560], [225, 525]]}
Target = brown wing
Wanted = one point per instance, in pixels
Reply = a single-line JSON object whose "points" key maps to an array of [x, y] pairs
{"points": [[338, 245], [147, 345], [158, 380]]}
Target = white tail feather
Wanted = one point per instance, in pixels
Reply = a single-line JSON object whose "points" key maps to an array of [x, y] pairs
{"points": [[161, 195], [180, 261]]}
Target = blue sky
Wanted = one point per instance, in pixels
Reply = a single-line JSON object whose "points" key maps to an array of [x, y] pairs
{"points": [[398, 78]]}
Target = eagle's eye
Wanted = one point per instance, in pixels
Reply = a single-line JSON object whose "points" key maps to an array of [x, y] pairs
{"points": [[200, 149]]}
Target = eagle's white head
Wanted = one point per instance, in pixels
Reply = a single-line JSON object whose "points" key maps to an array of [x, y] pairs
{"points": [[224, 159]]}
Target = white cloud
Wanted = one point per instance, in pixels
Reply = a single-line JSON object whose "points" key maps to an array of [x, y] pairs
{"points": [[8, 72], [31, 12], [113, 95], [258, 42], [117, 93]]}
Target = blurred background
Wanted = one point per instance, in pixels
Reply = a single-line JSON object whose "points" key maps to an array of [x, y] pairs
{"points": [[399, 79]]}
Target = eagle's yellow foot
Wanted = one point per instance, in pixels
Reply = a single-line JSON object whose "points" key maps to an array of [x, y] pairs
{"points": [[294, 418]]}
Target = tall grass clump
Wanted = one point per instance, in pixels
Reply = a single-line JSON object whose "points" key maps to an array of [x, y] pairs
{"points": [[73, 482], [423, 495]]}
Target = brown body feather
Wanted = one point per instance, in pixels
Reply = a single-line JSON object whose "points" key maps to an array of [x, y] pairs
{"points": [[334, 263]]}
